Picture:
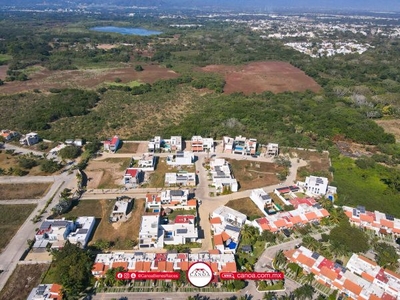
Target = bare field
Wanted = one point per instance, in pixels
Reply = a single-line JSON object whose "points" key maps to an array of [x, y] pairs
{"points": [[245, 206], [11, 191], [251, 174], [22, 281], [45, 79], [258, 77], [391, 126], [117, 232], [129, 147], [106, 174], [317, 164], [12, 217]]}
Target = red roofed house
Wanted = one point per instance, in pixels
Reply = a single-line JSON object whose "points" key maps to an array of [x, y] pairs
{"points": [[132, 176], [112, 145]]}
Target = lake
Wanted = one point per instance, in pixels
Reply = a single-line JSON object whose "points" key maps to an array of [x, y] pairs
{"points": [[126, 30]]}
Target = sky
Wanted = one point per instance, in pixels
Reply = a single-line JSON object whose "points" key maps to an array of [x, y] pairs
{"points": [[263, 5]]}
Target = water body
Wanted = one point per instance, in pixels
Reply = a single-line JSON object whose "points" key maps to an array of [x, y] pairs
{"points": [[126, 30]]}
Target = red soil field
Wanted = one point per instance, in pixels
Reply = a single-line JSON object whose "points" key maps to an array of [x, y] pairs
{"points": [[90, 78], [258, 77]]}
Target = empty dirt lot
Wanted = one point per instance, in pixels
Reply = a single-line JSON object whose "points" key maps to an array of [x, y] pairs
{"points": [[11, 191], [107, 173], [90, 78], [258, 77]]}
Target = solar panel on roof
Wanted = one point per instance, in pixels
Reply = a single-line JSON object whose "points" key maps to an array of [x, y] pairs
{"points": [[317, 206], [320, 181], [265, 197], [337, 266], [315, 255], [361, 209], [354, 212], [389, 217], [181, 230], [45, 225], [232, 228]]}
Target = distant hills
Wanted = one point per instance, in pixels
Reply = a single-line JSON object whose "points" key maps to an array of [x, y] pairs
{"points": [[263, 5]]}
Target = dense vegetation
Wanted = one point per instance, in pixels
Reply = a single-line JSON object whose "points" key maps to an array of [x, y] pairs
{"points": [[356, 90]]}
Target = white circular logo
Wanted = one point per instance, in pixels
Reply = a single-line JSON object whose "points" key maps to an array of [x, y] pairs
{"points": [[133, 275], [200, 274]]}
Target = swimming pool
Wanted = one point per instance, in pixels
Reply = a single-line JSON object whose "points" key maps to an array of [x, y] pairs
{"points": [[238, 148]]}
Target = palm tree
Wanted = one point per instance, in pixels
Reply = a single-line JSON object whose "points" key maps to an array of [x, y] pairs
{"points": [[310, 243], [309, 278], [269, 296], [280, 259], [249, 233]]}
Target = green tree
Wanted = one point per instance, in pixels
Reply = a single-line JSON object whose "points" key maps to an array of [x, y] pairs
{"points": [[304, 292], [267, 236], [280, 259], [49, 166], [249, 234], [70, 152], [138, 68], [310, 243], [345, 234], [73, 267], [386, 256]]}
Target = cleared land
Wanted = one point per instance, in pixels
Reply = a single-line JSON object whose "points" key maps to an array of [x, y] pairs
{"points": [[22, 281], [157, 178], [245, 206], [317, 164], [12, 217], [120, 234], [251, 174], [391, 126], [129, 147], [259, 77], [45, 79], [107, 173], [11, 191]]}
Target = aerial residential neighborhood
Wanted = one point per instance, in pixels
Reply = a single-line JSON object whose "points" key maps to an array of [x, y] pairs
{"points": [[206, 150]]}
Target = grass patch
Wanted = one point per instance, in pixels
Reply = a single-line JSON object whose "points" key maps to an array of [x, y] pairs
{"points": [[317, 164], [177, 212], [128, 148], [120, 234], [10, 191], [247, 207], [130, 84], [122, 162], [365, 187], [157, 178], [12, 217], [5, 58], [251, 175], [22, 281]]}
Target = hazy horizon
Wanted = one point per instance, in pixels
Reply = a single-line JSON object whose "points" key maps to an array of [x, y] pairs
{"points": [[261, 5]]}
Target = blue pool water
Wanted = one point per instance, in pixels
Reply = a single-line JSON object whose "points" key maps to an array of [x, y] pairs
{"points": [[156, 210], [126, 30], [239, 148]]}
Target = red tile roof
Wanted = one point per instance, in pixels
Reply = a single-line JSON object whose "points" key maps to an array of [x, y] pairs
{"points": [[146, 266], [114, 140], [216, 220], [184, 265], [366, 218], [123, 264], [229, 267], [98, 267], [55, 289], [394, 274], [308, 261], [352, 287], [311, 216], [387, 223], [367, 260], [170, 266], [295, 219], [329, 273], [214, 267], [218, 240], [131, 172], [386, 296], [367, 276], [192, 202], [214, 251], [162, 265], [280, 223], [324, 212], [139, 266], [225, 236], [186, 219]]}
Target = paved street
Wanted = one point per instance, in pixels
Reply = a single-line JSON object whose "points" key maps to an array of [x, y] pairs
{"points": [[10, 256]]}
